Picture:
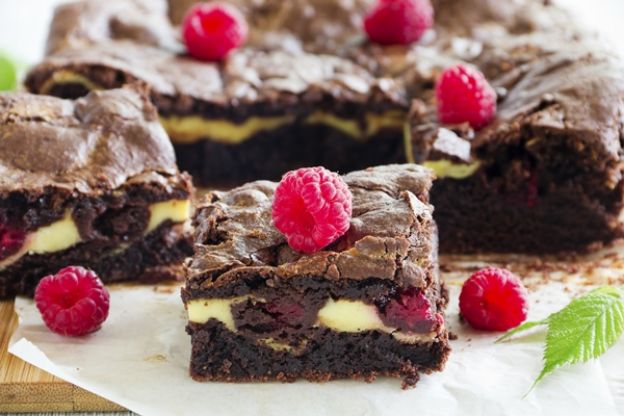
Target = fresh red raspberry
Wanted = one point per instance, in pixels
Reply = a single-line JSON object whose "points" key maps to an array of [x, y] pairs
{"points": [[286, 312], [464, 95], [212, 30], [398, 22], [493, 299], [11, 240], [411, 311], [312, 208], [72, 302]]}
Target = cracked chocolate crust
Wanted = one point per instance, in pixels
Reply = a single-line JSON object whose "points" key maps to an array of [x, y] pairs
{"points": [[392, 235], [221, 355], [92, 145]]}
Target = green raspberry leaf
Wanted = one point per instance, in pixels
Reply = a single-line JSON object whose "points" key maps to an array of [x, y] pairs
{"points": [[524, 327], [584, 329]]}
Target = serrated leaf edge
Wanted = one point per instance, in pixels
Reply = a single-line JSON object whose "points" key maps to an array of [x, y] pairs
{"points": [[599, 292]]}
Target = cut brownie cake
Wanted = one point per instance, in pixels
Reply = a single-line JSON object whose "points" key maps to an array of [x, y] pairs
{"points": [[369, 304], [263, 112], [544, 176], [91, 182]]}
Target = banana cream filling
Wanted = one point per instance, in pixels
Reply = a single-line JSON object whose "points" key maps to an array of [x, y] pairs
{"points": [[63, 234], [192, 129], [338, 315]]}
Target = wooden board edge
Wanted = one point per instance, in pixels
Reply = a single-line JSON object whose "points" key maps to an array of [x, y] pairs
{"points": [[51, 397]]}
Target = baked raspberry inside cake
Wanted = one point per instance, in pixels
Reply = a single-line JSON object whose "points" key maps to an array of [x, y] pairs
{"points": [[91, 182], [369, 304]]}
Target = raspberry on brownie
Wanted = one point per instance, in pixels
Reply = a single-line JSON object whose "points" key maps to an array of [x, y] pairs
{"points": [[91, 182], [371, 303], [312, 208]]}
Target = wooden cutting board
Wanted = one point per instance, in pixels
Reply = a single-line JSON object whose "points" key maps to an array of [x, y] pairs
{"points": [[24, 388]]}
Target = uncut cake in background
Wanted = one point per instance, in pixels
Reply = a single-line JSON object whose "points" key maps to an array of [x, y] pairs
{"points": [[308, 88], [369, 304], [91, 182]]}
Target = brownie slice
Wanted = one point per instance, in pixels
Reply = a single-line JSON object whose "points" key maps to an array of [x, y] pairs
{"points": [[370, 304], [264, 111], [91, 182], [547, 174]]}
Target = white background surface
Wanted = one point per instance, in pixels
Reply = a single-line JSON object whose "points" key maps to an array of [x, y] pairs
{"points": [[147, 371]]}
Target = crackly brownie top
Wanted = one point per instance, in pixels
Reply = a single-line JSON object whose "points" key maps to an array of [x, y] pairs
{"points": [[90, 145], [295, 47], [391, 236], [547, 71]]}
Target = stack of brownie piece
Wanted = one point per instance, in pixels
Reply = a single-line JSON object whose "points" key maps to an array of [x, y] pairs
{"points": [[370, 304], [91, 182]]}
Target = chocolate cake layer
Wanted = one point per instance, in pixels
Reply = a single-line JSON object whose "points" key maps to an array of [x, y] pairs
{"points": [[220, 355], [91, 182], [307, 72], [260, 311], [269, 154], [151, 259]]}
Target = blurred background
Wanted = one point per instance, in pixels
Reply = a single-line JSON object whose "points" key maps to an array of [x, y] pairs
{"points": [[24, 24]]}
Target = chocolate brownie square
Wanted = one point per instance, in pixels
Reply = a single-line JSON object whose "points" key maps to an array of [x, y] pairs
{"points": [[91, 182], [371, 304]]}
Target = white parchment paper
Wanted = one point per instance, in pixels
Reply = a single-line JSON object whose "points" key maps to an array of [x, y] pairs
{"points": [[139, 359]]}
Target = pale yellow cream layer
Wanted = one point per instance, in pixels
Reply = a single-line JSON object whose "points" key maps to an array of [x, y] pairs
{"points": [[191, 129], [349, 316], [64, 76], [57, 236], [374, 123], [339, 315], [202, 310], [448, 169], [63, 234], [176, 210], [442, 168]]}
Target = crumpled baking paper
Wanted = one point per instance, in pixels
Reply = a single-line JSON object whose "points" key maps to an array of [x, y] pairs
{"points": [[139, 359]]}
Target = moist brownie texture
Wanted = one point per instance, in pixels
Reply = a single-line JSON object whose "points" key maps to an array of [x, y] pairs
{"points": [[309, 89], [91, 182], [370, 304]]}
